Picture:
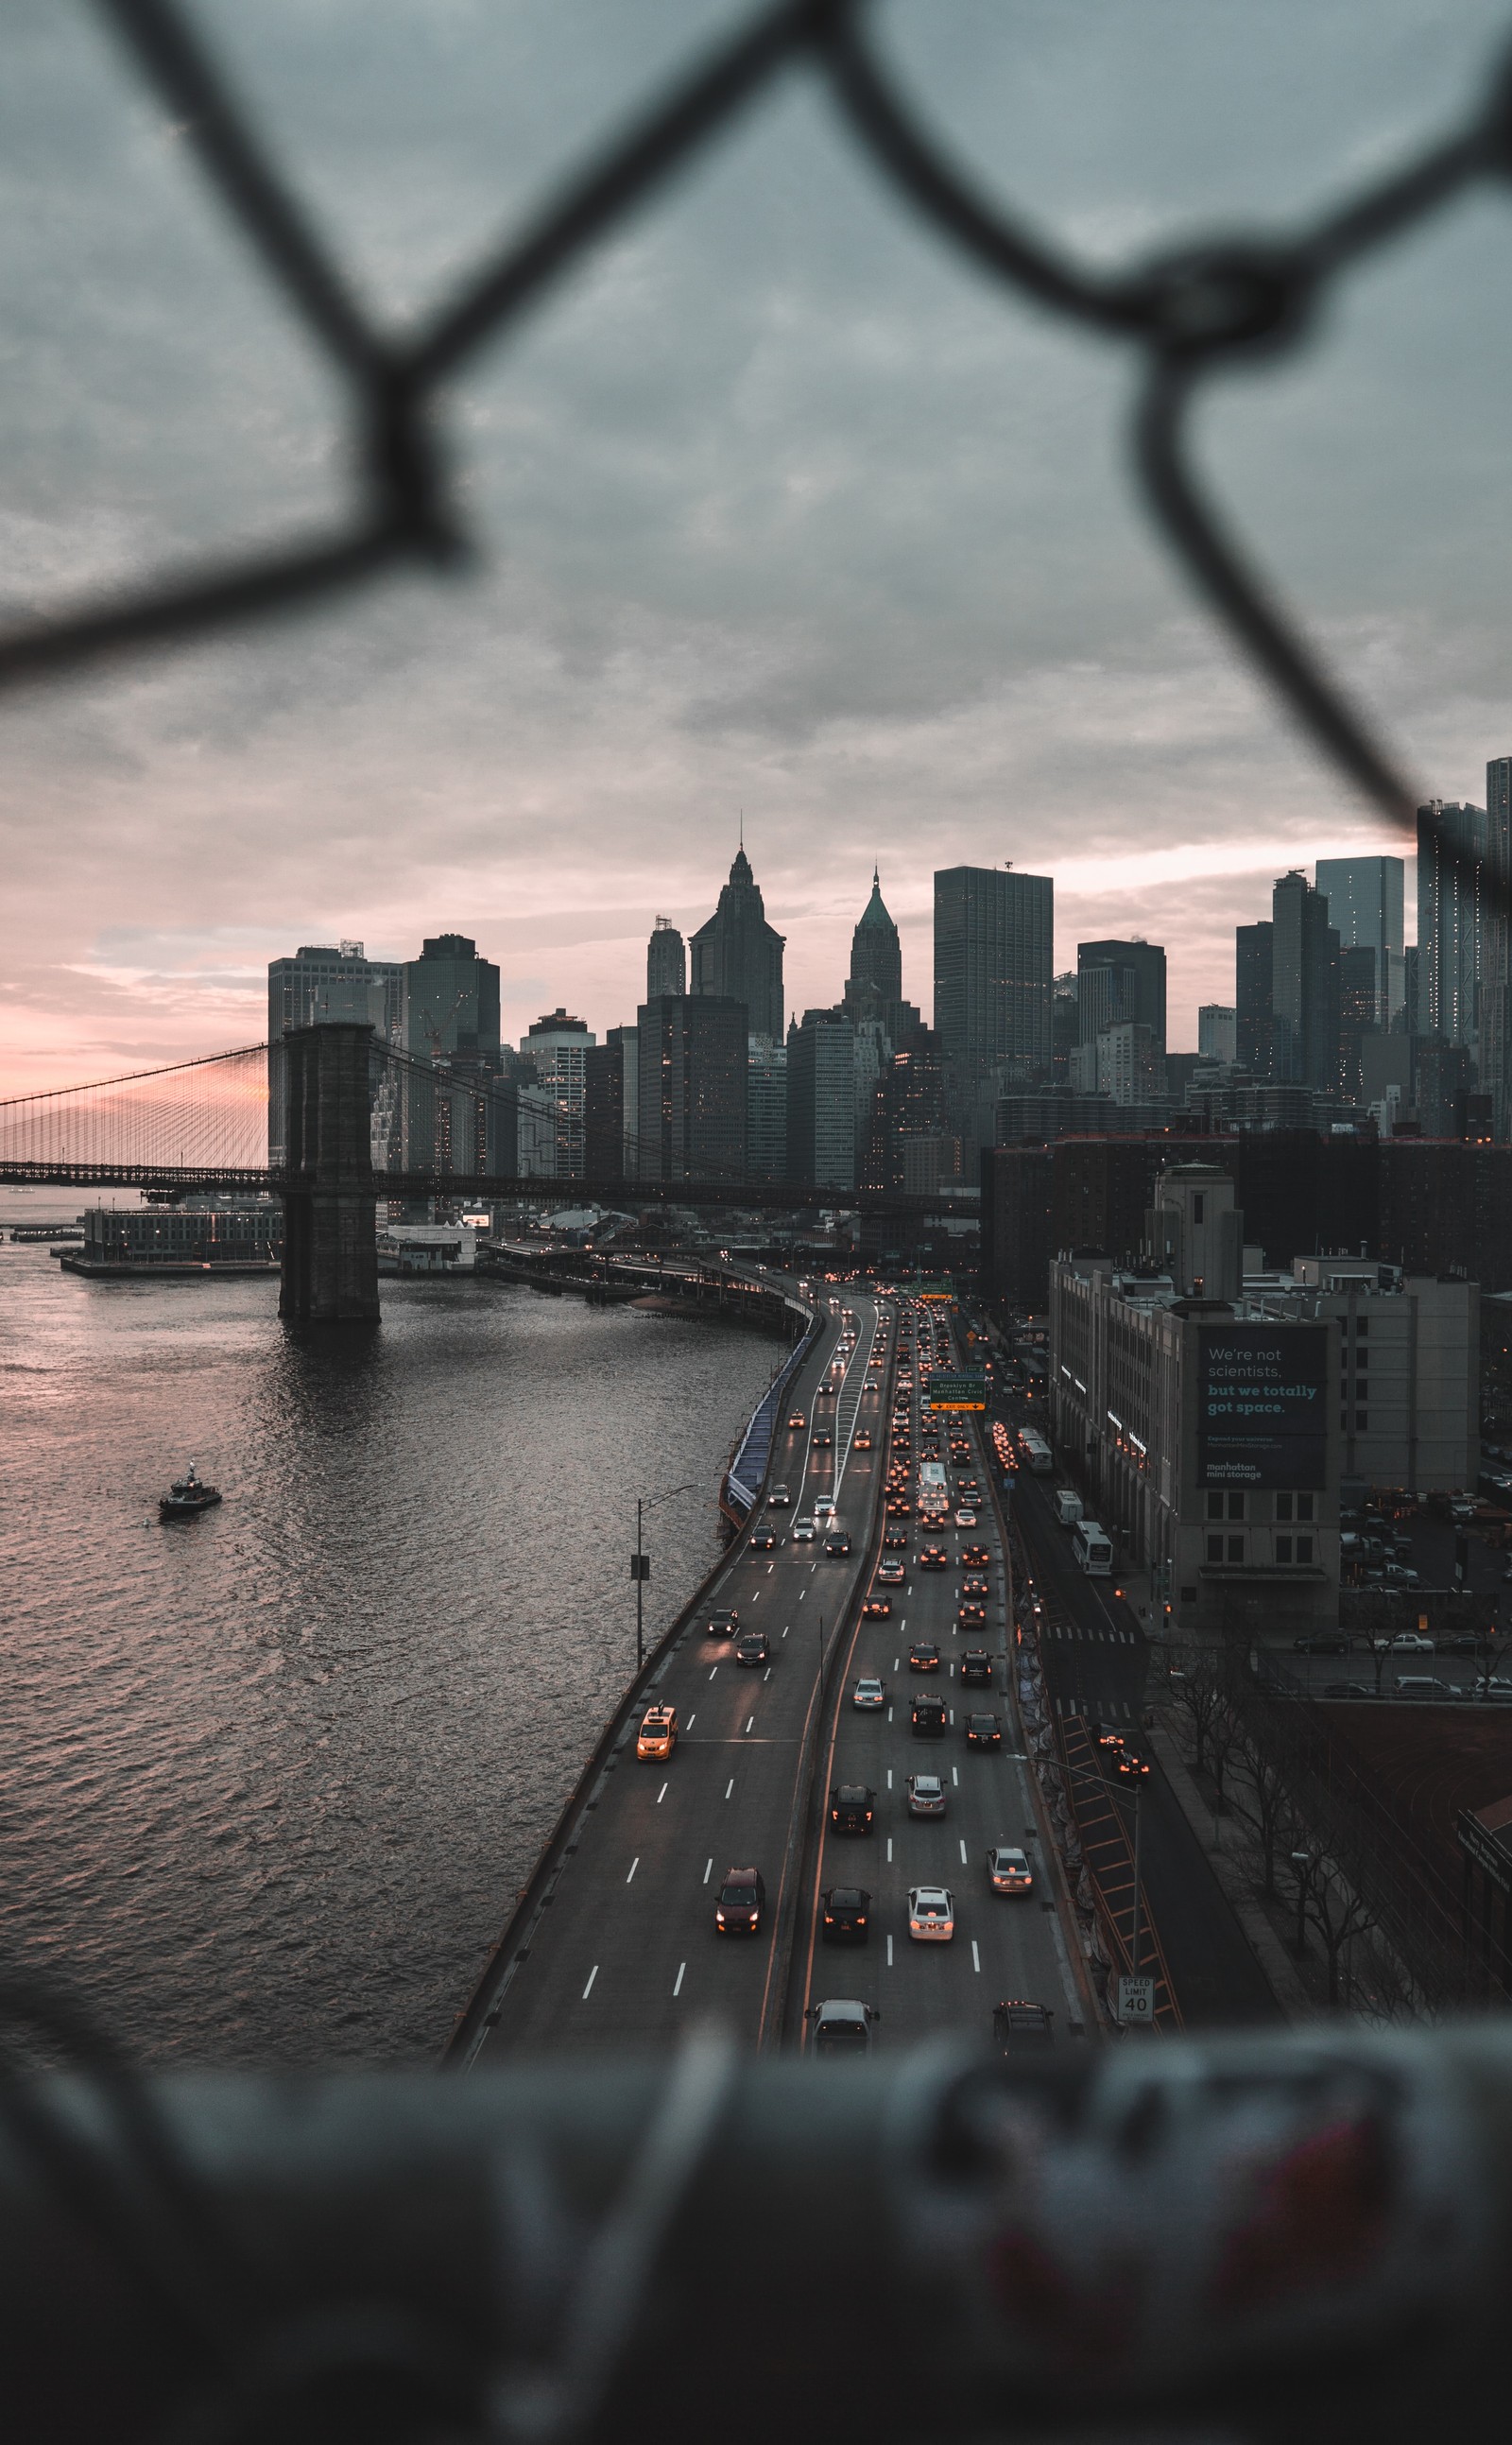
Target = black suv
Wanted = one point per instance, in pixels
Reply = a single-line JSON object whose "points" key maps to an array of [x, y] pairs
{"points": [[976, 1665], [1021, 2028], [923, 1656], [928, 1716], [847, 1915], [837, 1543], [753, 1647], [850, 1809]]}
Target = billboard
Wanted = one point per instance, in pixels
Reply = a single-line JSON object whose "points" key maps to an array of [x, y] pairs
{"points": [[964, 1391], [1262, 1405]]}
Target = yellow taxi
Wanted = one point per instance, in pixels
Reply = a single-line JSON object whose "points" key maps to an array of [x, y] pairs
{"points": [[658, 1736]]}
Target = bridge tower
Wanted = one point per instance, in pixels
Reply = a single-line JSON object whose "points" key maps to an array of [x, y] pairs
{"points": [[330, 1249]]}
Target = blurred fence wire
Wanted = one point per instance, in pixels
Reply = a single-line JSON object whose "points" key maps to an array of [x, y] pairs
{"points": [[1214, 304]]}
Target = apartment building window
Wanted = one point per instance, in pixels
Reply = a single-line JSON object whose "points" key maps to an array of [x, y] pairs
{"points": [[1305, 1507], [1362, 1326], [1284, 1549], [1235, 1506], [1362, 1422], [1215, 1508], [1362, 1358], [1215, 1549], [1235, 1549], [1284, 1506], [1304, 1549]]}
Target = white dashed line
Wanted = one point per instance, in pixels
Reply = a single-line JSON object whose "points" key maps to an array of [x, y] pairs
{"points": [[634, 1864], [692, 1720], [962, 1855], [677, 1983], [889, 1850], [711, 1675], [767, 1674], [786, 1627], [661, 1795], [588, 1988], [975, 1957], [955, 1776], [889, 1778], [708, 1872], [729, 1786], [749, 1720], [889, 1952]]}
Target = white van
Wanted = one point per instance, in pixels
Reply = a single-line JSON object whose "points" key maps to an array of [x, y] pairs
{"points": [[1068, 1506], [1093, 1549]]}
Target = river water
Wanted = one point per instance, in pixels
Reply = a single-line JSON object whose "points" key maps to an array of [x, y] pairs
{"points": [[269, 1778]]}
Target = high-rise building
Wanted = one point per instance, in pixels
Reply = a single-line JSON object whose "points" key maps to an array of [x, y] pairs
{"points": [[693, 1089], [451, 1023], [1121, 980], [603, 1108], [1129, 1070], [559, 1045], [876, 954], [822, 1100], [1365, 903], [1304, 985], [1254, 1016], [1065, 1026], [766, 1118], [451, 1000], [1360, 1002], [994, 941], [1216, 1033], [666, 962], [326, 983], [1451, 879], [1494, 1029], [738, 955]]}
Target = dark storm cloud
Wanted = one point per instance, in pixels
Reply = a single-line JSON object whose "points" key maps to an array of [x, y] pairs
{"points": [[783, 509]]}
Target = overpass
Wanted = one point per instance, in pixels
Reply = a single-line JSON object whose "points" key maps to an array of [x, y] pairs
{"points": [[203, 1126]]}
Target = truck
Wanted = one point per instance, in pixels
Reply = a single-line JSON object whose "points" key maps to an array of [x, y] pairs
{"points": [[1036, 1453], [1093, 1549], [934, 1494], [1068, 1506]]}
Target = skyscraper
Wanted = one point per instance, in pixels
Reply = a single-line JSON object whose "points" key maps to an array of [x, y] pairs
{"points": [[876, 954], [766, 1110], [1494, 1029], [1365, 905], [738, 954], [1217, 1034], [1451, 878], [1254, 1019], [325, 981], [1304, 985], [822, 1100], [666, 962], [993, 935], [693, 1064], [559, 1045], [1121, 980], [1359, 1012]]}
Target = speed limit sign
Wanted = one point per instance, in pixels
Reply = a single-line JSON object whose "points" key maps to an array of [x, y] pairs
{"points": [[1136, 2002]]}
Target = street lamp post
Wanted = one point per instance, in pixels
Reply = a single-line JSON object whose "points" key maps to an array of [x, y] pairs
{"points": [[641, 1563]]}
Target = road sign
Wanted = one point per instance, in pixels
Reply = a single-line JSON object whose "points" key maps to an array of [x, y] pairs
{"points": [[640, 1566], [967, 1391], [1136, 2002]]}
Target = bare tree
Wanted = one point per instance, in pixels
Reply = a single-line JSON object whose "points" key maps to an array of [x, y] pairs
{"points": [[1198, 1696], [1337, 1913], [1224, 1735], [1263, 1801]]}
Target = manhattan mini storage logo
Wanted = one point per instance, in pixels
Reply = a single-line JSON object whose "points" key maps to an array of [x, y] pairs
{"points": [[1261, 1415]]}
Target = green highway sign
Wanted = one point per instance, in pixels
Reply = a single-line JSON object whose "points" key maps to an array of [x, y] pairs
{"points": [[957, 1391]]}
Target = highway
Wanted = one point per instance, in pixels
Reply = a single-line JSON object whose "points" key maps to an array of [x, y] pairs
{"points": [[628, 1954]]}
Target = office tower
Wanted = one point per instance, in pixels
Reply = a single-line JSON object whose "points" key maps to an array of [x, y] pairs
{"points": [[822, 1101], [1065, 1026], [766, 1116], [1121, 980], [876, 955], [1216, 1034], [738, 954], [1451, 861], [1360, 1002], [610, 1100], [1304, 985], [1494, 1030], [666, 962], [1129, 1069], [693, 1063], [559, 1046], [993, 935], [451, 1022], [1254, 1017], [1365, 896], [327, 982]]}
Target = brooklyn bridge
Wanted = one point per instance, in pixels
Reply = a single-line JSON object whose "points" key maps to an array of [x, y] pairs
{"points": [[330, 1119]]}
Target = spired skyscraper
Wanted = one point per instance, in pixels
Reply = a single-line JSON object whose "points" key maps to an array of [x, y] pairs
{"points": [[738, 954], [876, 954], [666, 962]]}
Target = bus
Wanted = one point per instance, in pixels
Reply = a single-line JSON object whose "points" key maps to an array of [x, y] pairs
{"points": [[934, 1494], [1035, 1452], [1093, 1549]]}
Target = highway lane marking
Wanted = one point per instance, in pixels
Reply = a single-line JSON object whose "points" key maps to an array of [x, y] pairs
{"points": [[729, 1786], [889, 1952], [716, 1668], [802, 1593], [588, 1988], [975, 1957], [636, 1861], [955, 1776], [786, 1627], [889, 1714], [708, 1872], [677, 1983], [963, 1855], [749, 1720], [889, 1850], [661, 1795], [767, 1674], [889, 1778], [692, 1720]]}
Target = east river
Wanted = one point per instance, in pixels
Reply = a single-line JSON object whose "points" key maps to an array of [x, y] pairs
{"points": [[271, 1778]]}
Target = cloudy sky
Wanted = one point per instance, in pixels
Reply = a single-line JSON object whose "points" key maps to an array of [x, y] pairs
{"points": [[781, 508]]}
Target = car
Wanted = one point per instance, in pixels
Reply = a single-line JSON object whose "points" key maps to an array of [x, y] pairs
{"points": [[1398, 1576], [840, 2027], [822, 1441], [923, 1656], [761, 1540], [891, 1575], [1463, 1510], [863, 1443], [1425, 1684], [803, 1532], [1129, 1765], [975, 1586], [975, 1558], [1495, 1686], [722, 1622], [796, 1422], [1333, 1642], [933, 1558], [983, 1732], [657, 1735], [823, 1506], [976, 1665], [851, 1808], [838, 1545], [1022, 2028], [847, 1915], [1008, 1870], [896, 1541], [931, 1913], [825, 1392], [965, 1519], [972, 1616], [1349, 1689], [897, 1507], [868, 1691], [1464, 1642], [876, 1609], [925, 1795], [927, 1717], [741, 1902], [753, 1647], [778, 1499], [1407, 1642]]}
